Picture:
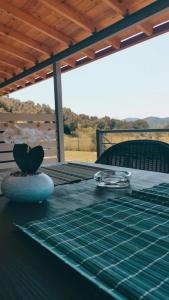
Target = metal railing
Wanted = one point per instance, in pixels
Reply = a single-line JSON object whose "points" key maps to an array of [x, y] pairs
{"points": [[107, 138]]}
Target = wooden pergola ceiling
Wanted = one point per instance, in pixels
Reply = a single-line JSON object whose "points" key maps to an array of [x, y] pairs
{"points": [[33, 31]]}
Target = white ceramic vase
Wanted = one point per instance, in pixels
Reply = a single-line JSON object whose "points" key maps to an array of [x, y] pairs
{"points": [[27, 189]]}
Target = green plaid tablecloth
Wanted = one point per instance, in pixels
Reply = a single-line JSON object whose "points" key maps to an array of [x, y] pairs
{"points": [[122, 245]]}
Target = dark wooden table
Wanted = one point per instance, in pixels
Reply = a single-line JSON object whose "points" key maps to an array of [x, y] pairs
{"points": [[27, 271]]}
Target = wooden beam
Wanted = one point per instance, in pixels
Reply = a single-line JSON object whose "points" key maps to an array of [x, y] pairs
{"points": [[6, 72], [89, 52], [4, 75], [71, 62], [35, 23], [7, 69], [15, 52], [20, 83], [70, 13], [13, 64], [134, 6], [146, 28], [17, 36], [115, 42], [41, 74], [118, 7], [19, 14]]}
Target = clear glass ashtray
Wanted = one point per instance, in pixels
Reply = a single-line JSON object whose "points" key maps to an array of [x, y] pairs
{"points": [[113, 179]]}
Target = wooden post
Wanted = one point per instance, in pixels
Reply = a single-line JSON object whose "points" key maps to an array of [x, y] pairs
{"points": [[58, 111]]}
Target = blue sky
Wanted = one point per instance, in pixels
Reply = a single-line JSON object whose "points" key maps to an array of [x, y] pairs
{"points": [[130, 83]]}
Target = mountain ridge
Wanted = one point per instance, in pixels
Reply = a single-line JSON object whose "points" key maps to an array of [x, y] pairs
{"points": [[153, 121]]}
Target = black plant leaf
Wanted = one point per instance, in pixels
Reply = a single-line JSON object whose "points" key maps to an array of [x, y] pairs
{"points": [[28, 159]]}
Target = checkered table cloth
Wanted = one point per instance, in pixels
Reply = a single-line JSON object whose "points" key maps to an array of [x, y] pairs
{"points": [[122, 245]]}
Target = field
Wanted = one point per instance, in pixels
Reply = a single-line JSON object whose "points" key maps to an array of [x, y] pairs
{"points": [[82, 146], [85, 156]]}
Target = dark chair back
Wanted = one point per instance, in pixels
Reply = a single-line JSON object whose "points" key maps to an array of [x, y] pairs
{"points": [[138, 154]]}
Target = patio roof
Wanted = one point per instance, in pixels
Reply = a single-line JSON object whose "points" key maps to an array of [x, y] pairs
{"points": [[36, 34]]}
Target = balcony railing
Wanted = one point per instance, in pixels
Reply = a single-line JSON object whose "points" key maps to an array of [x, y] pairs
{"points": [[45, 121], [107, 138]]}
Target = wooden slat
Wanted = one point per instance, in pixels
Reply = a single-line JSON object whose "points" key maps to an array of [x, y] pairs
{"points": [[5, 73], [45, 144], [6, 156], [7, 68], [49, 160], [43, 126], [5, 147], [9, 165], [50, 152], [12, 63], [117, 6], [18, 53], [6, 117]]}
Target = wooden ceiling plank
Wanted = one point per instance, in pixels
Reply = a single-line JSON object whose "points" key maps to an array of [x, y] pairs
{"points": [[17, 36], [146, 28], [116, 6], [35, 23], [7, 69], [5, 74], [70, 13], [12, 64], [6, 66], [17, 53], [133, 6], [4, 71], [38, 25]]}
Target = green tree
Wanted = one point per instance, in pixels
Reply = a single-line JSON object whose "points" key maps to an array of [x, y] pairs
{"points": [[140, 124]]}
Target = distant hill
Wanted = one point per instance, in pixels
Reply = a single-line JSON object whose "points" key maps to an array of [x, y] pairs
{"points": [[131, 119], [153, 122]]}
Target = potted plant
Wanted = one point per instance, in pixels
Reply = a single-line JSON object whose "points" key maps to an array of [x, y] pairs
{"points": [[27, 184]]}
